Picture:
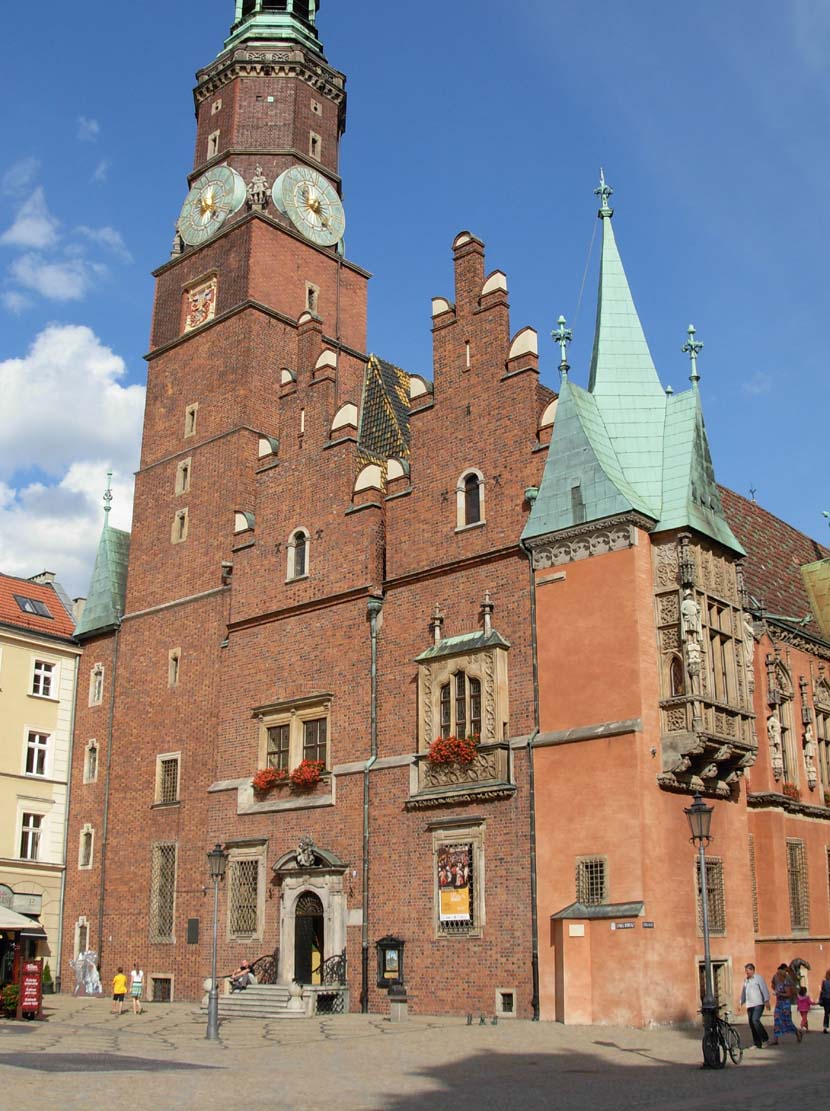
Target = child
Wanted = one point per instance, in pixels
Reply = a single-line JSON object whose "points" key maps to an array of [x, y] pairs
{"points": [[804, 1003], [119, 990], [136, 987]]}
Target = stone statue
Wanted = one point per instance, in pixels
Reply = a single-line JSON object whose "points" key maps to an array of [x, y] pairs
{"points": [[258, 190], [690, 617], [178, 244], [809, 756], [749, 652], [305, 852], [776, 751], [693, 656]]}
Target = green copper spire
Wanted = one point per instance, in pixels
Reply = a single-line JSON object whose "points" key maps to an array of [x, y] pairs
{"points": [[276, 21], [692, 348], [563, 337], [108, 588]]}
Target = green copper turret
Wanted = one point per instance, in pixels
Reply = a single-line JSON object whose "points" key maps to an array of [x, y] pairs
{"points": [[276, 21]]}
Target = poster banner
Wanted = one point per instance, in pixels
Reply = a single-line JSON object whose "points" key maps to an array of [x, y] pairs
{"points": [[455, 872], [30, 987]]}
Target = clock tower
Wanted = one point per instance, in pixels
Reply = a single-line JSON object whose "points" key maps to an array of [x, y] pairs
{"points": [[256, 291]]}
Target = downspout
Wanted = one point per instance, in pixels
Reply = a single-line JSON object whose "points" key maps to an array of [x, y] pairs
{"points": [[105, 817], [534, 907], [375, 606], [58, 965]]}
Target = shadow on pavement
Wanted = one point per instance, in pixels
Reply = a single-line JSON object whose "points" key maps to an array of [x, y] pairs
{"points": [[93, 1062]]}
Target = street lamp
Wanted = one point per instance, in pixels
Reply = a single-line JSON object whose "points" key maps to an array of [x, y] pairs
{"points": [[217, 860], [700, 823]]}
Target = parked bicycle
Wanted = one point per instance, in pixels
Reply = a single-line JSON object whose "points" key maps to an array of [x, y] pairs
{"points": [[722, 1039]]}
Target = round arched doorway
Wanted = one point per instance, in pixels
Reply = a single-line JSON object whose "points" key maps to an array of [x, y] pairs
{"points": [[308, 939]]}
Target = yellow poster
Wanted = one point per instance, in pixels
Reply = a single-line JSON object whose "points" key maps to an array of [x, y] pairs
{"points": [[454, 882]]}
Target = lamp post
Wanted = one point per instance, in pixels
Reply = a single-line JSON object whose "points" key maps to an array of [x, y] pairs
{"points": [[700, 822], [217, 860]]}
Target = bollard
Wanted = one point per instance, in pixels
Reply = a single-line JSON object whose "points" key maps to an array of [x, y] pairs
{"points": [[398, 1009]]}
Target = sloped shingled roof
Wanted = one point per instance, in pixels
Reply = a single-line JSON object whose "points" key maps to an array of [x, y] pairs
{"points": [[60, 624], [775, 554], [383, 431], [107, 591]]}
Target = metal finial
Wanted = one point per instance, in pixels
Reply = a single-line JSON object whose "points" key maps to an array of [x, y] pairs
{"points": [[752, 492], [669, 391], [604, 191], [563, 337], [693, 348], [108, 495]]}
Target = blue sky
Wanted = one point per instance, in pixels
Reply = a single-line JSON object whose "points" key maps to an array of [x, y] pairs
{"points": [[710, 121]]}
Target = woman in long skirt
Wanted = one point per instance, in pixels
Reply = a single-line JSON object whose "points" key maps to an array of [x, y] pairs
{"points": [[784, 987]]}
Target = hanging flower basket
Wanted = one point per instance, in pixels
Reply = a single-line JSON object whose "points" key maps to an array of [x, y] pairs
{"points": [[306, 775], [453, 750], [791, 791], [267, 778]]}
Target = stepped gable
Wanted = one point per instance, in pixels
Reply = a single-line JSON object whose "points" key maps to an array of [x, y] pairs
{"points": [[383, 431], [59, 624], [776, 552]]}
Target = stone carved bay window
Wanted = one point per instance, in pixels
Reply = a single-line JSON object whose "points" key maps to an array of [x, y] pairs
{"points": [[706, 645], [463, 702]]}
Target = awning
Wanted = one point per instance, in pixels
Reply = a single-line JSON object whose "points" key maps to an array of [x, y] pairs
{"points": [[34, 931], [11, 920]]}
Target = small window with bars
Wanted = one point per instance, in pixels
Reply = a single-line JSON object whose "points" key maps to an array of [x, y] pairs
{"points": [[244, 898], [315, 739], [716, 902], [163, 892], [167, 779], [592, 881], [797, 882], [161, 989]]}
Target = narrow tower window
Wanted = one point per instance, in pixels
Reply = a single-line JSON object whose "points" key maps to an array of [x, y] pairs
{"points": [[173, 662], [213, 144], [183, 477], [314, 145], [190, 420]]}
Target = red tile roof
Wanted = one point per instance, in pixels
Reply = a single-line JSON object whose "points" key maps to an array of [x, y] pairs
{"points": [[775, 554], [60, 624]]}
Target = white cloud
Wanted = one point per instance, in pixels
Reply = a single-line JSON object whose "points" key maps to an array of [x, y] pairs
{"points": [[20, 176], [107, 237], [758, 383], [67, 414], [101, 171], [67, 280], [15, 302], [88, 130], [34, 225]]}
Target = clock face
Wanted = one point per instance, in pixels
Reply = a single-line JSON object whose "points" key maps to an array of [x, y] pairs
{"points": [[312, 204], [213, 197]]}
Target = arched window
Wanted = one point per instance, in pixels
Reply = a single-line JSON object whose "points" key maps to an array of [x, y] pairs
{"points": [[298, 554], [460, 706], [469, 495], [677, 677]]}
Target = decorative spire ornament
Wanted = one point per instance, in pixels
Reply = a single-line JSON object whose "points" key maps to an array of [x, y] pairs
{"points": [[563, 337], [692, 348], [604, 191], [108, 498]]}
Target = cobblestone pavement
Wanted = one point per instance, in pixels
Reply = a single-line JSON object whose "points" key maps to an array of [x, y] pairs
{"points": [[83, 1058]]}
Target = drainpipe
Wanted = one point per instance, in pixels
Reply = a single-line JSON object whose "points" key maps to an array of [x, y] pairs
{"points": [[105, 818], [58, 963], [375, 606], [534, 908]]}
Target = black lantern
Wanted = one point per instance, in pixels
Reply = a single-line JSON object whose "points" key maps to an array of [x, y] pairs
{"points": [[700, 820], [390, 961], [217, 859]]}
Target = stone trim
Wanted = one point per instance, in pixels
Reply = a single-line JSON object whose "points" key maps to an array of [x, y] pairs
{"points": [[589, 732], [595, 538]]}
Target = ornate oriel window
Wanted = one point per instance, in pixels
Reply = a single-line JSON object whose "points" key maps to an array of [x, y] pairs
{"points": [[463, 689]]}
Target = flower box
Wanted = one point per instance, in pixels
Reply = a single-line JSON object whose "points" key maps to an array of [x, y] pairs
{"points": [[267, 778], [791, 791], [306, 775], [453, 750]]}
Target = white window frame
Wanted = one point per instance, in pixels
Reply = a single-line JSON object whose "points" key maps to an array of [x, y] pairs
{"points": [[38, 832], [291, 546], [53, 677], [461, 522], [96, 684], [42, 746], [160, 759]]}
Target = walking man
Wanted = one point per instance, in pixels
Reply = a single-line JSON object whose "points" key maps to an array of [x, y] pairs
{"points": [[755, 996]]}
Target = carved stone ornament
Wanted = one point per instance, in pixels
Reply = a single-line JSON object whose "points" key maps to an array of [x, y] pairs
{"points": [[483, 769], [749, 652], [306, 852], [258, 190], [570, 545], [776, 751], [810, 756], [200, 304], [665, 565], [690, 618], [694, 657]]}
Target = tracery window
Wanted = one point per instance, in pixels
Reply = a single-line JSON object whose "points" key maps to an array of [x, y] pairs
{"points": [[460, 703]]}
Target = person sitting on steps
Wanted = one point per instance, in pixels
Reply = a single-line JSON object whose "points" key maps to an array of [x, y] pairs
{"points": [[242, 977]]}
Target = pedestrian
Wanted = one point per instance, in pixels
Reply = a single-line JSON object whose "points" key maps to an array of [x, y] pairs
{"points": [[804, 1003], [824, 1000], [119, 990], [136, 987], [755, 997], [241, 977], [784, 988]]}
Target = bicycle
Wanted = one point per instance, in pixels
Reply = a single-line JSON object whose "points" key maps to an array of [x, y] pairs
{"points": [[720, 1039]]}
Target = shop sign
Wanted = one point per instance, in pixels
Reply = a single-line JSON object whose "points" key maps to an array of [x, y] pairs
{"points": [[6, 897], [27, 904], [31, 980], [455, 874]]}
